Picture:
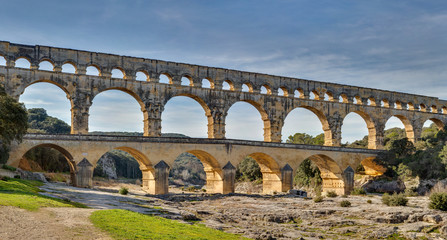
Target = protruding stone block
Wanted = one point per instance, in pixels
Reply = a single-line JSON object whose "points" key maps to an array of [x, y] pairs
{"points": [[286, 178], [348, 178], [161, 182], [229, 175], [84, 173]]}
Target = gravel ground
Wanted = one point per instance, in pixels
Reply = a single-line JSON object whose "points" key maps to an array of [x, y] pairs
{"points": [[254, 216]]}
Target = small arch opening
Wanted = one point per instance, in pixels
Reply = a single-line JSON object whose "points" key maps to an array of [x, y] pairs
{"points": [[23, 63], [444, 110], [314, 95], [343, 98], [265, 89], [434, 109], [142, 76], [299, 93], [422, 108], [410, 106], [165, 78], [282, 91], [227, 85], [398, 105], [46, 66], [357, 100], [246, 87], [187, 81], [68, 68], [2, 61], [207, 83], [92, 71], [371, 102], [117, 73], [385, 103], [328, 96]]}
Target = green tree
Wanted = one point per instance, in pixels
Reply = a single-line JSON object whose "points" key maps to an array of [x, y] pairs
{"points": [[307, 175], [304, 138], [40, 122], [13, 122], [248, 170]]}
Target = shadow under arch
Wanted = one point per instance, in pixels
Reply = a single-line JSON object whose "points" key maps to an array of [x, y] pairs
{"points": [[65, 153], [271, 172], [409, 132], [139, 101], [328, 141], [205, 107], [264, 117], [372, 139], [371, 167], [330, 173]]}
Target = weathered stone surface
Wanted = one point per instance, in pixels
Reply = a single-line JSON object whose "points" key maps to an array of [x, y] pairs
{"points": [[38, 176], [373, 105], [383, 186]]}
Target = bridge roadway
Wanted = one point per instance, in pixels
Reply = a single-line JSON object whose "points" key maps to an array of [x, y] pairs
{"points": [[278, 161]]}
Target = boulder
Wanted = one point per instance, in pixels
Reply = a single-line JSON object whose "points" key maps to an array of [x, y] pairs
{"points": [[37, 176], [384, 186]]}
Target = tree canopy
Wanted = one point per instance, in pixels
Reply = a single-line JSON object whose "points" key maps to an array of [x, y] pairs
{"points": [[40, 122], [13, 122]]}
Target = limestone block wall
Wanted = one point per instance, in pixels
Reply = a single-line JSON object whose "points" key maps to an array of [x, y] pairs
{"points": [[331, 102]]}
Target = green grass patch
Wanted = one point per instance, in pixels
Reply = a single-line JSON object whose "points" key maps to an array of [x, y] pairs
{"points": [[25, 194], [123, 224]]}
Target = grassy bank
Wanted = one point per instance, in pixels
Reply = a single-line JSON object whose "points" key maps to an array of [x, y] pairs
{"points": [[123, 224], [25, 194]]}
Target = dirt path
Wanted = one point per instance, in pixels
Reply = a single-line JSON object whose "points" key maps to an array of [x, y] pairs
{"points": [[48, 223]]}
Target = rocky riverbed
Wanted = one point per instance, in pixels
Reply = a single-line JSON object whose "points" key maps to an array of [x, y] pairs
{"points": [[275, 217]]}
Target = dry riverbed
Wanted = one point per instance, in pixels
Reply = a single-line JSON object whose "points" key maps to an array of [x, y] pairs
{"points": [[254, 216]]}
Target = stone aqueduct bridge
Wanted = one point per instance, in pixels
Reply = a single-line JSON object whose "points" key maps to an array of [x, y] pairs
{"points": [[331, 103]]}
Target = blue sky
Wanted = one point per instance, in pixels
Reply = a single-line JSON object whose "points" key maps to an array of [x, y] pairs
{"points": [[393, 45]]}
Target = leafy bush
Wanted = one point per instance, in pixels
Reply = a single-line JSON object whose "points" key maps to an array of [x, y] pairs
{"points": [[331, 194], [248, 170], [318, 199], [191, 189], [438, 201], [123, 191], [395, 199], [358, 191], [369, 201], [307, 175], [345, 203]]}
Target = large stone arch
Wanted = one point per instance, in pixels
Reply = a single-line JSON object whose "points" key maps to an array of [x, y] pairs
{"points": [[213, 170], [331, 173], [203, 104], [328, 138], [264, 116], [19, 155], [20, 89], [271, 172], [409, 130], [372, 138], [133, 95], [436, 121]]}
